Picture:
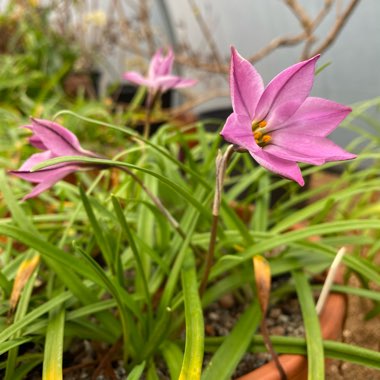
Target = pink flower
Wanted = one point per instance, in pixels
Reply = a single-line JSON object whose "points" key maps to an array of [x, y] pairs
{"points": [[56, 141], [280, 125], [159, 77]]}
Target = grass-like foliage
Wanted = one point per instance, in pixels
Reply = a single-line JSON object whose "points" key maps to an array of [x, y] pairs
{"points": [[106, 268]]}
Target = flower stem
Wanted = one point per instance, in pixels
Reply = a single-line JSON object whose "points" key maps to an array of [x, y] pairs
{"points": [[146, 132], [152, 100], [221, 166]]}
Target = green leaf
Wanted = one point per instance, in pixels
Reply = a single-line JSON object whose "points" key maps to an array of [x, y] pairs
{"points": [[173, 357], [294, 236], [261, 212], [234, 346], [136, 372], [98, 161], [53, 350], [122, 298], [98, 231], [139, 267], [33, 315], [21, 311], [192, 359], [58, 260], [10, 344], [315, 354]]}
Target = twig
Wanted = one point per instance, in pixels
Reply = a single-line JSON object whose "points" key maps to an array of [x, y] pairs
{"points": [[106, 360], [269, 347], [318, 19], [329, 280], [147, 27], [301, 14], [207, 34], [201, 99], [336, 29], [276, 43]]}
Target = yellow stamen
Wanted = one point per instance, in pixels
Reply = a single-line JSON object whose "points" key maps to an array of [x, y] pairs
{"points": [[262, 124], [266, 139], [257, 135]]}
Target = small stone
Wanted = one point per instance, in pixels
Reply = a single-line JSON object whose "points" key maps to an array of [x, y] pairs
{"points": [[278, 330], [227, 301], [289, 330], [214, 316], [275, 313], [283, 319], [222, 331], [209, 329], [347, 333]]}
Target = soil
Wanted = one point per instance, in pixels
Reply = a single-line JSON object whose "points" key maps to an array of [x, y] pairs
{"points": [[282, 319]]}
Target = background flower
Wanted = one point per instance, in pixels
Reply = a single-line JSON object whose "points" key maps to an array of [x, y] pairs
{"points": [[159, 74]]}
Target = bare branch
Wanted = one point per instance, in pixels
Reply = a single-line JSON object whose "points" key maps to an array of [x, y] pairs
{"points": [[207, 34], [336, 29], [320, 17], [275, 44], [301, 14]]}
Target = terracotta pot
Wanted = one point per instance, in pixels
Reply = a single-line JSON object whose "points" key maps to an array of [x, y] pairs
{"points": [[331, 320]]}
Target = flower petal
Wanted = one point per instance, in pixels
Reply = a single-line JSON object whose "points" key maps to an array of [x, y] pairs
{"points": [[56, 138], [161, 65], [285, 168], [246, 85], [305, 148], [164, 83], [35, 159], [290, 155], [46, 174], [238, 130], [45, 178], [37, 143], [315, 117], [286, 92], [137, 78]]}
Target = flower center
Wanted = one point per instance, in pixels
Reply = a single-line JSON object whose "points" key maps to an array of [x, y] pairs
{"points": [[259, 134]]}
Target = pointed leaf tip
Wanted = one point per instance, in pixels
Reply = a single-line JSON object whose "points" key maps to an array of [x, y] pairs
{"points": [[263, 281]]}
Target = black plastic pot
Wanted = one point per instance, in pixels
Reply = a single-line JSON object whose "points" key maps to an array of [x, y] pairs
{"points": [[125, 93], [82, 81]]}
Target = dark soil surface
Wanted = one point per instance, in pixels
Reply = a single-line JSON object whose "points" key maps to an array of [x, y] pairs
{"points": [[282, 319]]}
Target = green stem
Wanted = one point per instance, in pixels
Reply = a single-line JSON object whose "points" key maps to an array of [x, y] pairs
{"points": [[152, 100], [221, 166]]}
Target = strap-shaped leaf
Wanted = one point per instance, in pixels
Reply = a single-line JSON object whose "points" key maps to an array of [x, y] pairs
{"points": [[234, 346], [193, 357]]}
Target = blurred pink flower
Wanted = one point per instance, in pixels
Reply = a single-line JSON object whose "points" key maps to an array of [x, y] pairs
{"points": [[159, 77], [280, 125], [56, 141]]}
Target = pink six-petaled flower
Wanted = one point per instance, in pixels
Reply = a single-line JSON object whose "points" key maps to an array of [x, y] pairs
{"points": [[159, 77], [55, 141], [281, 125]]}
